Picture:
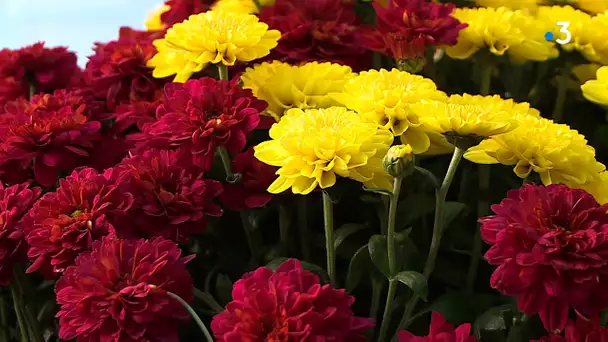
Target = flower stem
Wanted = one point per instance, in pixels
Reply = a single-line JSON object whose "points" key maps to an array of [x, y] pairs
{"points": [[483, 208], [392, 256], [194, 315], [440, 197], [486, 76], [562, 88], [31, 321], [328, 217], [19, 309], [223, 72], [302, 214], [32, 90], [225, 156]]}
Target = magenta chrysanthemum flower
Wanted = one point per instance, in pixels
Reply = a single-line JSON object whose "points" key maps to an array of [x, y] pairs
{"points": [[170, 200], [117, 72], [136, 113], [289, 304], [440, 330], [551, 248], [200, 115], [581, 331], [251, 191], [117, 292], [46, 69], [52, 132], [15, 201], [66, 222]]}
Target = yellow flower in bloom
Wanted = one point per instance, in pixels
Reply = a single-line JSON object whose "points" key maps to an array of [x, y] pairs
{"points": [[385, 97], [211, 37], [597, 90], [239, 6], [593, 42], [585, 72], [153, 23], [550, 15], [313, 146], [559, 154], [592, 6], [305, 86], [475, 117], [514, 4], [598, 188], [501, 30]]}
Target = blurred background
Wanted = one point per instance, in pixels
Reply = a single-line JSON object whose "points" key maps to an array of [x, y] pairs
{"points": [[74, 23]]}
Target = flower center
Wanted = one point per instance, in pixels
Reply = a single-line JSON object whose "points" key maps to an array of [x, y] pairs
{"points": [[76, 213], [280, 328]]}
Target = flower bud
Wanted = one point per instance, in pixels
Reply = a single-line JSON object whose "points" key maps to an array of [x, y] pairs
{"points": [[399, 161]]}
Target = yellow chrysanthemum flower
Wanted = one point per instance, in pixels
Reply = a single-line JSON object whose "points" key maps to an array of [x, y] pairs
{"points": [[313, 146], [514, 4], [549, 16], [472, 118], [597, 90], [239, 6], [598, 188], [593, 41], [305, 86], [153, 23], [385, 97], [592, 6], [559, 154], [501, 30], [211, 37], [585, 72]]}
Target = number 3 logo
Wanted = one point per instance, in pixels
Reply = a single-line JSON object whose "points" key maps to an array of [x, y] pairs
{"points": [[564, 29]]}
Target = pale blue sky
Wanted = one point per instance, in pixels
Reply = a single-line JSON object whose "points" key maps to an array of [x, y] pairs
{"points": [[73, 23]]}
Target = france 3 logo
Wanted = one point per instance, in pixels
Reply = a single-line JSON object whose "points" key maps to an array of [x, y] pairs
{"points": [[566, 34]]}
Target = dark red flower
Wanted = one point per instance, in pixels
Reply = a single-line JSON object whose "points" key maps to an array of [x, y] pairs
{"points": [[317, 30], [170, 200], [406, 27], [108, 151], [551, 247], [581, 331], [117, 72], [289, 304], [15, 201], [46, 69], [136, 113], [200, 115], [440, 331], [66, 222], [117, 292], [180, 10], [51, 132], [251, 191]]}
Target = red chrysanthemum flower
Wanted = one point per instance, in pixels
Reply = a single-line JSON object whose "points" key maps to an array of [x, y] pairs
{"points": [[317, 30], [117, 292], [200, 115], [251, 190], [180, 10], [15, 201], [406, 27], [551, 248], [117, 72], [289, 304], [170, 201], [51, 132], [136, 113], [440, 330], [46, 69], [66, 222], [581, 331]]}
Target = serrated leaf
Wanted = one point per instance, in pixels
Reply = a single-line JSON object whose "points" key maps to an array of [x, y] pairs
{"points": [[345, 231], [415, 281], [378, 253], [274, 264], [358, 266]]}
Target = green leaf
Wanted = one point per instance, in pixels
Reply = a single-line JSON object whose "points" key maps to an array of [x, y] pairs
{"points": [[415, 281], [492, 320], [378, 191], [412, 208], [359, 264], [379, 254], [429, 175], [274, 264], [223, 288], [345, 231], [451, 212]]}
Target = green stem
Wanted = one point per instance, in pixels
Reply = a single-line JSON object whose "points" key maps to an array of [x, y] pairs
{"points": [[225, 156], [302, 213], [19, 309], [194, 315], [392, 256], [562, 88], [284, 228], [483, 208], [328, 218], [440, 197], [32, 89], [223, 72], [209, 300], [30, 316], [486, 76]]}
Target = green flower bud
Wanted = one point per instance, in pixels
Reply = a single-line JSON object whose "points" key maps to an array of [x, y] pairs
{"points": [[399, 161]]}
